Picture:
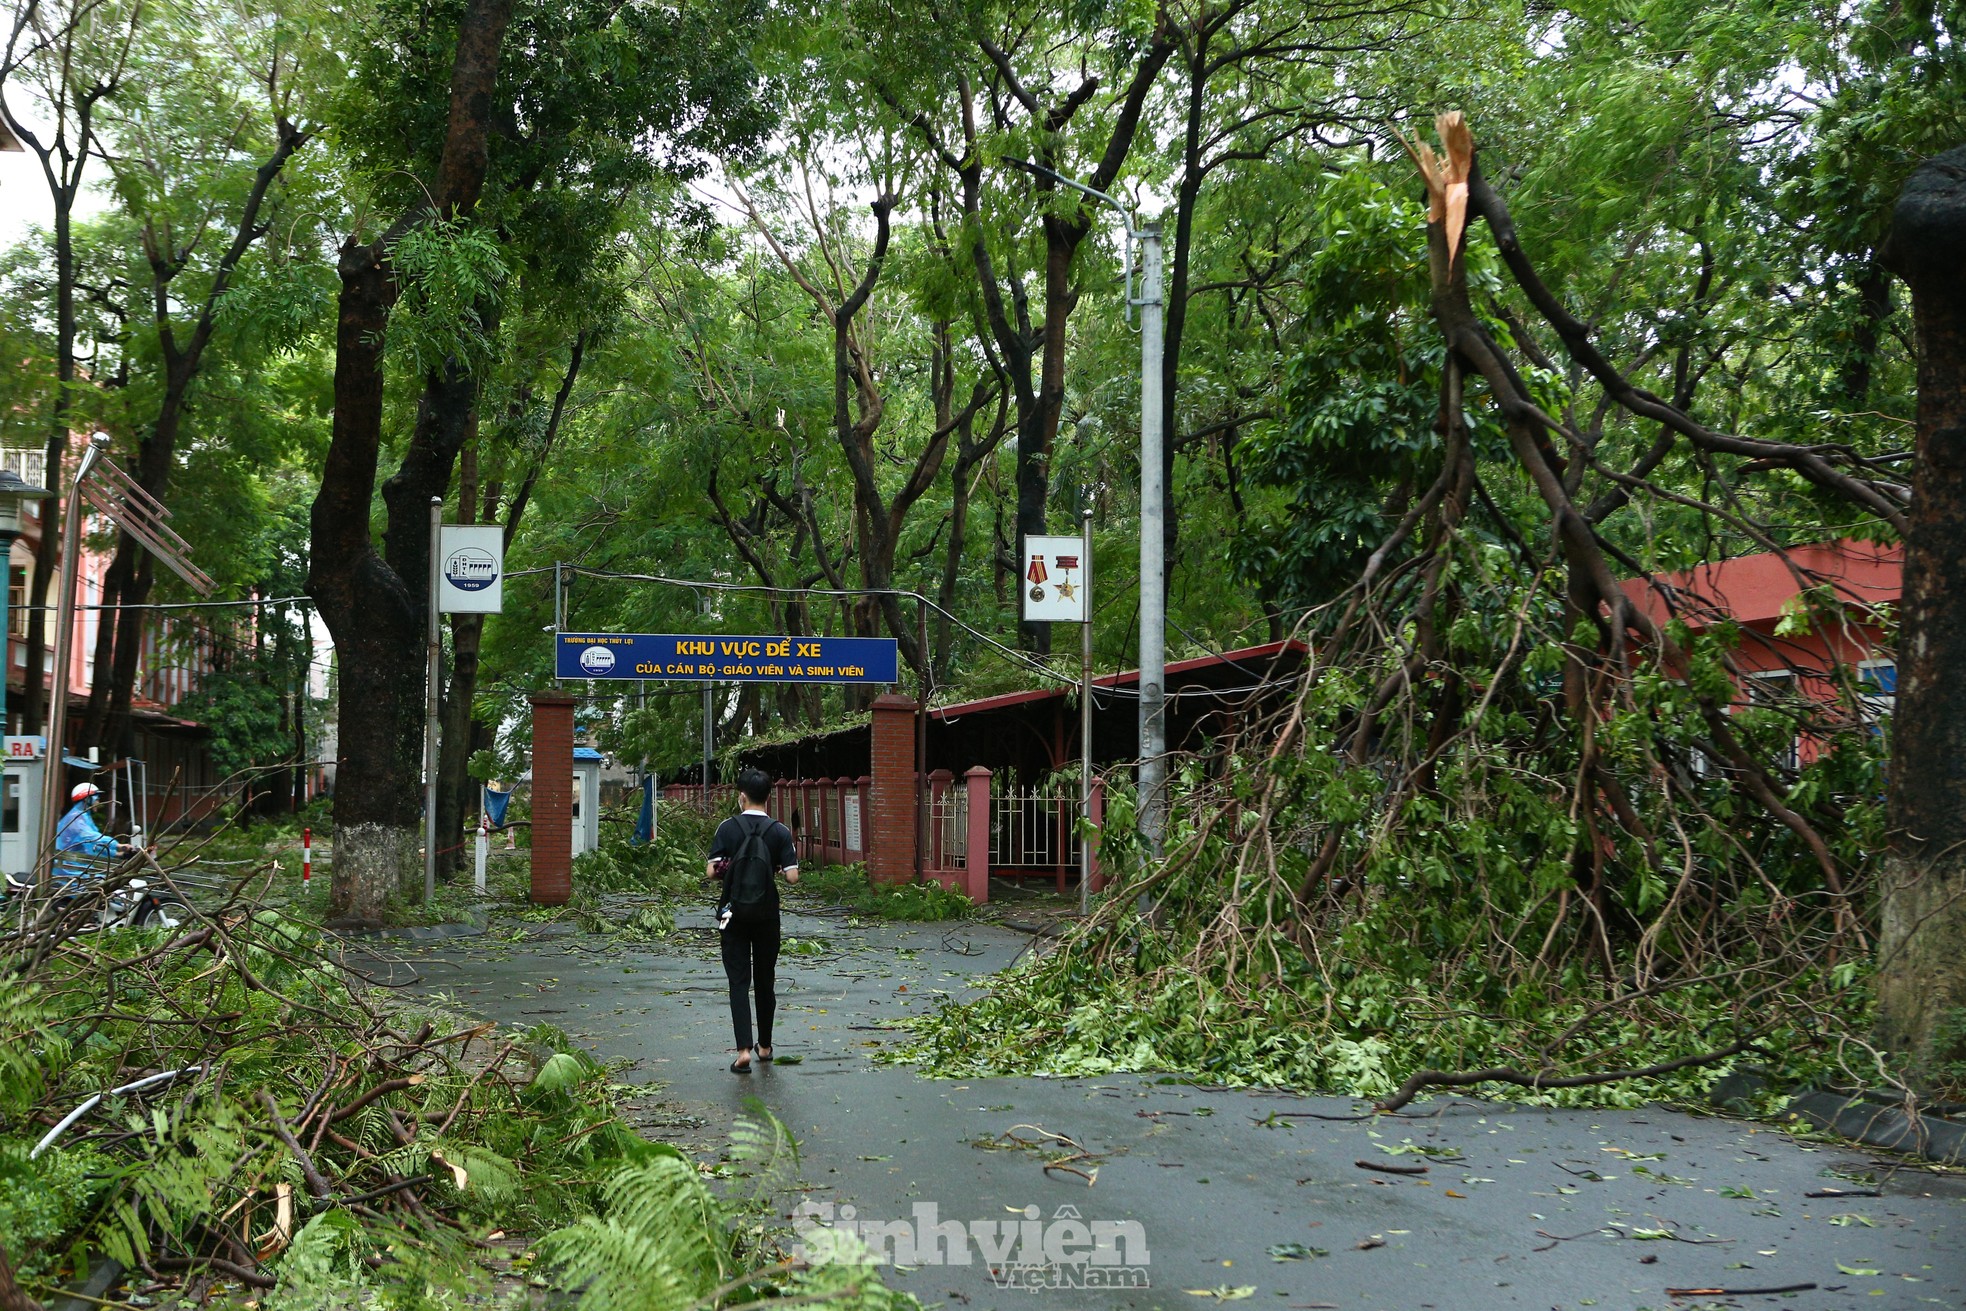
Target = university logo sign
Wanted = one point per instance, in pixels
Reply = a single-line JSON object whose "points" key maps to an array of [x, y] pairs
{"points": [[470, 569]]}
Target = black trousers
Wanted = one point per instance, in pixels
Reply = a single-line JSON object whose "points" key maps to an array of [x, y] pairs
{"points": [[750, 959]]}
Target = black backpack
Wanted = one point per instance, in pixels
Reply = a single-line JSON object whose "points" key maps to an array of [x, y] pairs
{"points": [[747, 880]]}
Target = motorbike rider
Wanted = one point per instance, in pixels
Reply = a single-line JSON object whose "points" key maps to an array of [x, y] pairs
{"points": [[79, 835]]}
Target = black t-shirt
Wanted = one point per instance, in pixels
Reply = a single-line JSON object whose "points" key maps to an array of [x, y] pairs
{"points": [[778, 841]]}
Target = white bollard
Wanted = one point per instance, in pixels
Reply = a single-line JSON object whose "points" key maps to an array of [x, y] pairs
{"points": [[484, 850]]}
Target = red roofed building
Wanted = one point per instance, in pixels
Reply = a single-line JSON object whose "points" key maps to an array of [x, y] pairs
{"points": [[1789, 644]]}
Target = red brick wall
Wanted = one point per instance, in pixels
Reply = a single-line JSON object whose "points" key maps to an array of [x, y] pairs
{"points": [[552, 798], [890, 821]]}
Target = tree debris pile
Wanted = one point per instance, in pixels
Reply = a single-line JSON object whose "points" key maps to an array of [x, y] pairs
{"points": [[286, 1127], [1448, 912], [1511, 829]]}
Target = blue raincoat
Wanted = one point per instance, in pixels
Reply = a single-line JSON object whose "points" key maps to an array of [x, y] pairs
{"points": [[78, 834]]}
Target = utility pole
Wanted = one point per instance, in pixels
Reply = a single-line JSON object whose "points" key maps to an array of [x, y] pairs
{"points": [[921, 735], [1153, 499], [1153, 554], [54, 797], [432, 707], [709, 727], [1085, 716]]}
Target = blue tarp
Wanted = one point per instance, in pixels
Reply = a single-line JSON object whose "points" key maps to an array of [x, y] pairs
{"points": [[495, 804], [645, 816]]}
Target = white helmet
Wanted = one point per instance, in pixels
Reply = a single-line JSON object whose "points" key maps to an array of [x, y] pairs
{"points": [[84, 792]]}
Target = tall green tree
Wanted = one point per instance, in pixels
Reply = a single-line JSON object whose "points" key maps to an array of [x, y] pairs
{"points": [[215, 108], [62, 62], [526, 157]]}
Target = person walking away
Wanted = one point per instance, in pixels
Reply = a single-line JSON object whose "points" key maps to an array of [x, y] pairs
{"points": [[750, 849], [80, 839]]}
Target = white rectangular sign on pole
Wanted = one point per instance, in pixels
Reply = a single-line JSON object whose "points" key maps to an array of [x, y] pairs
{"points": [[1053, 581], [471, 569]]}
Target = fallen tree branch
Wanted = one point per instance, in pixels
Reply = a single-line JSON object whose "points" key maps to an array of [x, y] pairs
{"points": [[1390, 1169], [1423, 1079]]}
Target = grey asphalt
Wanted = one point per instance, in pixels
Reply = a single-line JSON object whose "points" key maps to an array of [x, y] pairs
{"points": [[1518, 1207]]}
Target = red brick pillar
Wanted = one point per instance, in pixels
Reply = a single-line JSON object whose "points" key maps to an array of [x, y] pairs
{"points": [[976, 860], [891, 818], [552, 798]]}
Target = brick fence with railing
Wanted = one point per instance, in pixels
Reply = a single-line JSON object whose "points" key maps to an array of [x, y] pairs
{"points": [[976, 828], [972, 828]]}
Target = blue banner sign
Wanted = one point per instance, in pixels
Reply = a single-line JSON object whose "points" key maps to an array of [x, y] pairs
{"points": [[727, 659]]}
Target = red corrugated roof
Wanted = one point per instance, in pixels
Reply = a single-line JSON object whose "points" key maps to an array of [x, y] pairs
{"points": [[1754, 588], [1263, 652]]}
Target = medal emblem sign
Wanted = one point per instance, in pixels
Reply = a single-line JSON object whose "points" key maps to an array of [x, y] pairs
{"points": [[1056, 581]]}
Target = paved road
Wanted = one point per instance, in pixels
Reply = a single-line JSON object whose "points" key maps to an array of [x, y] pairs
{"points": [[1203, 1189]]}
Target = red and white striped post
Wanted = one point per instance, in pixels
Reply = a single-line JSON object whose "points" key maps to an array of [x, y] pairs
{"points": [[306, 857]]}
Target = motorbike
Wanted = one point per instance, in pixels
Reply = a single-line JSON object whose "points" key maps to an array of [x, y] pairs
{"points": [[133, 904]]}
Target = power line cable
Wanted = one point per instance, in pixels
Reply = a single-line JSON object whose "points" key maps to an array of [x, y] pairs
{"points": [[175, 605], [1020, 658]]}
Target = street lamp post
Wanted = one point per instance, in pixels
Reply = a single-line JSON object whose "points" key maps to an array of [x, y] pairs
{"points": [[12, 492], [1153, 500], [54, 775]]}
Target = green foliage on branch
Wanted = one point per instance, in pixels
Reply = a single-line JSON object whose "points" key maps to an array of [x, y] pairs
{"points": [[368, 1148], [1329, 923]]}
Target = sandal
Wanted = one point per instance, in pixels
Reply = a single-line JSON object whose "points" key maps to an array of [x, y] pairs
{"points": [[745, 1068], [762, 1054]]}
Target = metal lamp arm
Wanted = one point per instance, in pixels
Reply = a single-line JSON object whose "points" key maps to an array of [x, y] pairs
{"points": [[1130, 233]]}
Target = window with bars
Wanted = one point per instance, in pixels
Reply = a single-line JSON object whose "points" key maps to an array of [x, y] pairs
{"points": [[29, 466], [1877, 690]]}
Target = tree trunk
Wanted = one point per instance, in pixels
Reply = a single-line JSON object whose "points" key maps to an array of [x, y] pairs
{"points": [[12, 1297], [1921, 950], [374, 604], [376, 621], [1873, 307]]}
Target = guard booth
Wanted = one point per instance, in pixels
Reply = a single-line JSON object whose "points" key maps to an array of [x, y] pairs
{"points": [[586, 799], [21, 825]]}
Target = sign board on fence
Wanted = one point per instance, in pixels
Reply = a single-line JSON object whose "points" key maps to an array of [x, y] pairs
{"points": [[850, 810], [1054, 581], [727, 659], [470, 569]]}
